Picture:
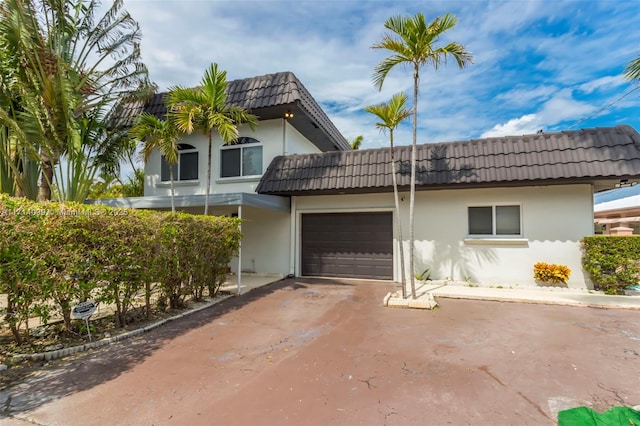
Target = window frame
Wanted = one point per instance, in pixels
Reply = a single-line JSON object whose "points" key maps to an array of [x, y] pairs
{"points": [[494, 225], [241, 144], [183, 148]]}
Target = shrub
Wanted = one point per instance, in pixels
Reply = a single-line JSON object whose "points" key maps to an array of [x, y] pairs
{"points": [[551, 273], [613, 262], [53, 256]]}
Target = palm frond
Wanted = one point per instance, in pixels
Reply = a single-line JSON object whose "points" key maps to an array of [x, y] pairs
{"points": [[391, 113], [632, 70], [412, 40]]}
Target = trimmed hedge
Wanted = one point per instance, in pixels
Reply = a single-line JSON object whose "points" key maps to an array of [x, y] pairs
{"points": [[53, 256], [613, 262]]}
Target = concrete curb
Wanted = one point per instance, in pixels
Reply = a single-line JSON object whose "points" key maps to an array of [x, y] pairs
{"points": [[51, 355], [392, 301]]}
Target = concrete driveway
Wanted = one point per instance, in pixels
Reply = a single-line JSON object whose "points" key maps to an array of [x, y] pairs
{"points": [[323, 352]]}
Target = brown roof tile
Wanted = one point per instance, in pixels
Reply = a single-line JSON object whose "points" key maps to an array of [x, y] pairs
{"points": [[570, 156], [267, 96]]}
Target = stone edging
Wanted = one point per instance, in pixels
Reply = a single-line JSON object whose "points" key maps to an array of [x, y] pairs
{"points": [[51, 355]]}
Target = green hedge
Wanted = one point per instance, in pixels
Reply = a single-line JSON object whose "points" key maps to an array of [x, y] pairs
{"points": [[612, 262], [53, 256]]}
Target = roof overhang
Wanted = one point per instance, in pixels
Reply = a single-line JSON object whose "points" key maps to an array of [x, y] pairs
{"points": [[604, 221], [260, 201], [599, 184], [303, 122]]}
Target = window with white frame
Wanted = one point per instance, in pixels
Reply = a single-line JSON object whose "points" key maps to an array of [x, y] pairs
{"points": [[241, 158], [494, 220], [187, 166]]}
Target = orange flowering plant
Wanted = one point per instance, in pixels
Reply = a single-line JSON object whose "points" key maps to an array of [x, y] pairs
{"points": [[550, 273]]}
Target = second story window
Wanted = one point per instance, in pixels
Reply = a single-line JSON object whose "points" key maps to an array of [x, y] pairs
{"points": [[242, 158], [187, 167]]}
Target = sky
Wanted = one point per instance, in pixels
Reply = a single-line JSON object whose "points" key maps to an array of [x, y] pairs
{"points": [[538, 64]]}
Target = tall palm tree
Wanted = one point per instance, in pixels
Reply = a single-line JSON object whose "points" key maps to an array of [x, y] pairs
{"points": [[161, 135], [205, 108], [391, 115], [412, 42]]}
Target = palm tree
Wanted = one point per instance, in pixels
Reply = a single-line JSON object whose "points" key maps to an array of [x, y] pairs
{"points": [[206, 108], [72, 72], [411, 42], [391, 115], [161, 135], [356, 142]]}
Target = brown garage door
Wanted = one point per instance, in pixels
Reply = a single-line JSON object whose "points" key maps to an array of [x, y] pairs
{"points": [[357, 245]]}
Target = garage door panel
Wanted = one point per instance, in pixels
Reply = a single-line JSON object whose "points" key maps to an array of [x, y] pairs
{"points": [[347, 245]]}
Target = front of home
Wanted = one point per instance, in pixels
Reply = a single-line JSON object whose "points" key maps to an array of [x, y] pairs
{"points": [[485, 210]]}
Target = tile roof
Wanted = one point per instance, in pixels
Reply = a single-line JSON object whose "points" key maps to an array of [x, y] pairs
{"points": [[267, 96], [589, 155]]}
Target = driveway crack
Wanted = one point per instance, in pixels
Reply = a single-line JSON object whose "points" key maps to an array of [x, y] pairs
{"points": [[368, 382]]}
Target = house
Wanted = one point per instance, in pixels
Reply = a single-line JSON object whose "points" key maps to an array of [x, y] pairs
{"points": [[486, 210], [617, 212]]}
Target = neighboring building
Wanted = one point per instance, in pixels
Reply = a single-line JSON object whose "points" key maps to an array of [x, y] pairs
{"points": [[486, 210], [617, 212]]}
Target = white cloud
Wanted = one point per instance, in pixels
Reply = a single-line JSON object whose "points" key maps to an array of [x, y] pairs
{"points": [[527, 124], [563, 107], [606, 82], [526, 53], [526, 95]]}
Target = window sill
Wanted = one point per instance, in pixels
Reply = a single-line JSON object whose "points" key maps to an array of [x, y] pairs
{"points": [[496, 241], [178, 183], [255, 178]]}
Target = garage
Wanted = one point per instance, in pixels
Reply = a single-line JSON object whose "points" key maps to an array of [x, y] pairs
{"points": [[352, 245]]}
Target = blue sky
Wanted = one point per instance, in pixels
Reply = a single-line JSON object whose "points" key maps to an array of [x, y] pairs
{"points": [[545, 64]]}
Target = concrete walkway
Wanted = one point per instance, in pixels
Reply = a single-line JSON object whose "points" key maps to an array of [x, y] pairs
{"points": [[248, 282], [548, 297]]}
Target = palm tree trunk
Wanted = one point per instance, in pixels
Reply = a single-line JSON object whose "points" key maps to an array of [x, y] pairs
{"points": [[398, 222], [173, 193], [44, 193], [206, 197], [412, 195]]}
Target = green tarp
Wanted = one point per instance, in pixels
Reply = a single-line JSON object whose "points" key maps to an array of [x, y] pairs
{"points": [[583, 416]]}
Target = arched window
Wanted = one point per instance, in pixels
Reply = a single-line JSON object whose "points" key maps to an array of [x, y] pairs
{"points": [[187, 167], [241, 158]]}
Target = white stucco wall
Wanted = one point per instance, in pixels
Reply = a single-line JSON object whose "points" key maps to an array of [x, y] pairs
{"points": [[298, 144], [554, 219], [269, 132], [265, 245]]}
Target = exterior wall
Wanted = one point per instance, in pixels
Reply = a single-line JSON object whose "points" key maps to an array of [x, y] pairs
{"points": [[265, 241], [298, 144], [270, 133], [265, 244], [553, 220]]}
